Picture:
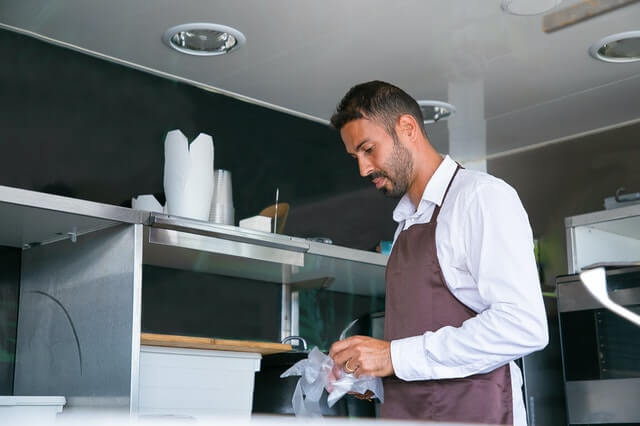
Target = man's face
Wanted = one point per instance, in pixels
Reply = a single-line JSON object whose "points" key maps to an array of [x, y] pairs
{"points": [[381, 156]]}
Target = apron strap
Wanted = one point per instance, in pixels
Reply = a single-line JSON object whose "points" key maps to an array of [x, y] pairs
{"points": [[436, 211]]}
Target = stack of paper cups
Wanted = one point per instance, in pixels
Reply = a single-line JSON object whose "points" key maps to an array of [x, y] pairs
{"points": [[222, 204]]}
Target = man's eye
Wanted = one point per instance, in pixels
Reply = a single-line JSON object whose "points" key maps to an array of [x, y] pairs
{"points": [[368, 150]]}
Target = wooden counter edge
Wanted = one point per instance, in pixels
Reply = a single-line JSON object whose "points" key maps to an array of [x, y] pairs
{"points": [[264, 348]]}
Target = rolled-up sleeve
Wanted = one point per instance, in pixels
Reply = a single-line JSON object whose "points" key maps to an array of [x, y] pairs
{"points": [[498, 245]]}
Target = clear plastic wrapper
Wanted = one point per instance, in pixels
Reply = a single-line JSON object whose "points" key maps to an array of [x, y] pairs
{"points": [[318, 373]]}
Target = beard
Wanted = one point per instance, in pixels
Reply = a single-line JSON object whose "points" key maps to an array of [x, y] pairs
{"points": [[396, 170]]}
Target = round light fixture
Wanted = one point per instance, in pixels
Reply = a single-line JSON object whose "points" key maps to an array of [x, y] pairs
{"points": [[528, 7], [203, 39], [618, 48], [433, 111]]}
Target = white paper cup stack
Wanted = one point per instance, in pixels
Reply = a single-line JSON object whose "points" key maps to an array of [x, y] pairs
{"points": [[222, 204]]}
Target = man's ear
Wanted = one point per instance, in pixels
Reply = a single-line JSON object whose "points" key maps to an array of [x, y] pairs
{"points": [[407, 126]]}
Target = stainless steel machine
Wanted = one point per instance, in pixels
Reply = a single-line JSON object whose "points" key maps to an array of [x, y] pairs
{"points": [[600, 349]]}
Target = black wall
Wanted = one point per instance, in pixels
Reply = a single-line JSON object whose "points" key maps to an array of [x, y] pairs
{"points": [[76, 125], [9, 291]]}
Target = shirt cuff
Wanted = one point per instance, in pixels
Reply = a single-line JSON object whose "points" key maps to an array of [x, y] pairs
{"points": [[409, 359]]}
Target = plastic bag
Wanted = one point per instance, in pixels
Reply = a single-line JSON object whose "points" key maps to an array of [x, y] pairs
{"points": [[315, 377]]}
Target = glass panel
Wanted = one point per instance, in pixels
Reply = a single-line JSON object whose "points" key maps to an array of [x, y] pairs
{"points": [[354, 290], [190, 303], [579, 345], [598, 344], [235, 288], [619, 345]]}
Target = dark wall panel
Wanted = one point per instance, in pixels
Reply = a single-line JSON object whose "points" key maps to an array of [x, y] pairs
{"points": [[9, 291], [76, 125]]}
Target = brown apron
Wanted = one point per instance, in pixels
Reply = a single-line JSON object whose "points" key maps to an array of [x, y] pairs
{"points": [[418, 300]]}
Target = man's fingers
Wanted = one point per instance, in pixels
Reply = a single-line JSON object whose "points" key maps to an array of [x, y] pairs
{"points": [[350, 354], [341, 345], [363, 356]]}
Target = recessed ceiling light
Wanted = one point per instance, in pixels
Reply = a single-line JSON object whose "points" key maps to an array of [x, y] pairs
{"points": [[528, 7], [433, 111], [203, 39], [620, 48]]}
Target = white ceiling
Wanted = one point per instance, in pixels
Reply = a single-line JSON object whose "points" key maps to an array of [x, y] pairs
{"points": [[513, 85]]}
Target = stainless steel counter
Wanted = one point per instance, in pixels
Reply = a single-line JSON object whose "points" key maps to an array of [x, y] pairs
{"points": [[81, 276]]}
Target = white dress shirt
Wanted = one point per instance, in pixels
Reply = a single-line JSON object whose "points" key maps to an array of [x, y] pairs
{"points": [[485, 249]]}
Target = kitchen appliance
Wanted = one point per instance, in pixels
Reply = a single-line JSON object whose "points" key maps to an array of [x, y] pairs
{"points": [[600, 349], [621, 199]]}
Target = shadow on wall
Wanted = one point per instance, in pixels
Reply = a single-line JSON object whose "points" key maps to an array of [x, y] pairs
{"points": [[570, 178]]}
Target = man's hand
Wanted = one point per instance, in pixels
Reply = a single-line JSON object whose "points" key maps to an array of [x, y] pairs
{"points": [[364, 356]]}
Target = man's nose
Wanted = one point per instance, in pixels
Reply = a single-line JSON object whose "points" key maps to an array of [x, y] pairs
{"points": [[365, 167]]}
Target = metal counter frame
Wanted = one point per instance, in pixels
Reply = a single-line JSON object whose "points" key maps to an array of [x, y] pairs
{"points": [[81, 280]]}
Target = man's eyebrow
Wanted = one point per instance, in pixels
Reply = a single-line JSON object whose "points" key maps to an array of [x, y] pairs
{"points": [[361, 143]]}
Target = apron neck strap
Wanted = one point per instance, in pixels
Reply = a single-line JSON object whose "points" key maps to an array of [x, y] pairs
{"points": [[436, 211]]}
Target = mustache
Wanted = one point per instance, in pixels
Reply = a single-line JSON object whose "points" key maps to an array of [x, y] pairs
{"points": [[376, 175]]}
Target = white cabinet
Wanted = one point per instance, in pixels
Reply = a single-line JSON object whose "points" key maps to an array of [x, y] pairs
{"points": [[196, 382]]}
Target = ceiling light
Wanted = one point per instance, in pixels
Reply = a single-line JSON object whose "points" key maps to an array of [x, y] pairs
{"points": [[203, 39], [528, 7], [432, 111], [620, 48]]}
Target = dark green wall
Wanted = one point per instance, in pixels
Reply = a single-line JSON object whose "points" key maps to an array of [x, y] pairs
{"points": [[76, 125], [9, 290]]}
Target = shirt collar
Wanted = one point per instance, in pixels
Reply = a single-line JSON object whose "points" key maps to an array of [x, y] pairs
{"points": [[433, 192]]}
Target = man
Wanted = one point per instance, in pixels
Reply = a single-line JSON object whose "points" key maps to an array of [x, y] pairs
{"points": [[463, 298]]}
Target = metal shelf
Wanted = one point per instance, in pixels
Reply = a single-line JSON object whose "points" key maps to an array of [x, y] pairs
{"points": [[192, 252], [198, 253], [29, 218], [227, 232], [199, 246]]}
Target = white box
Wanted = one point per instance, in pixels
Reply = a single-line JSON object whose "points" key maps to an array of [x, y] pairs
{"points": [[196, 382], [257, 223], [30, 409]]}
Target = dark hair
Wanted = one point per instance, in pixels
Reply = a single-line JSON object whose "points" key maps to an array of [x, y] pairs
{"points": [[378, 101]]}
